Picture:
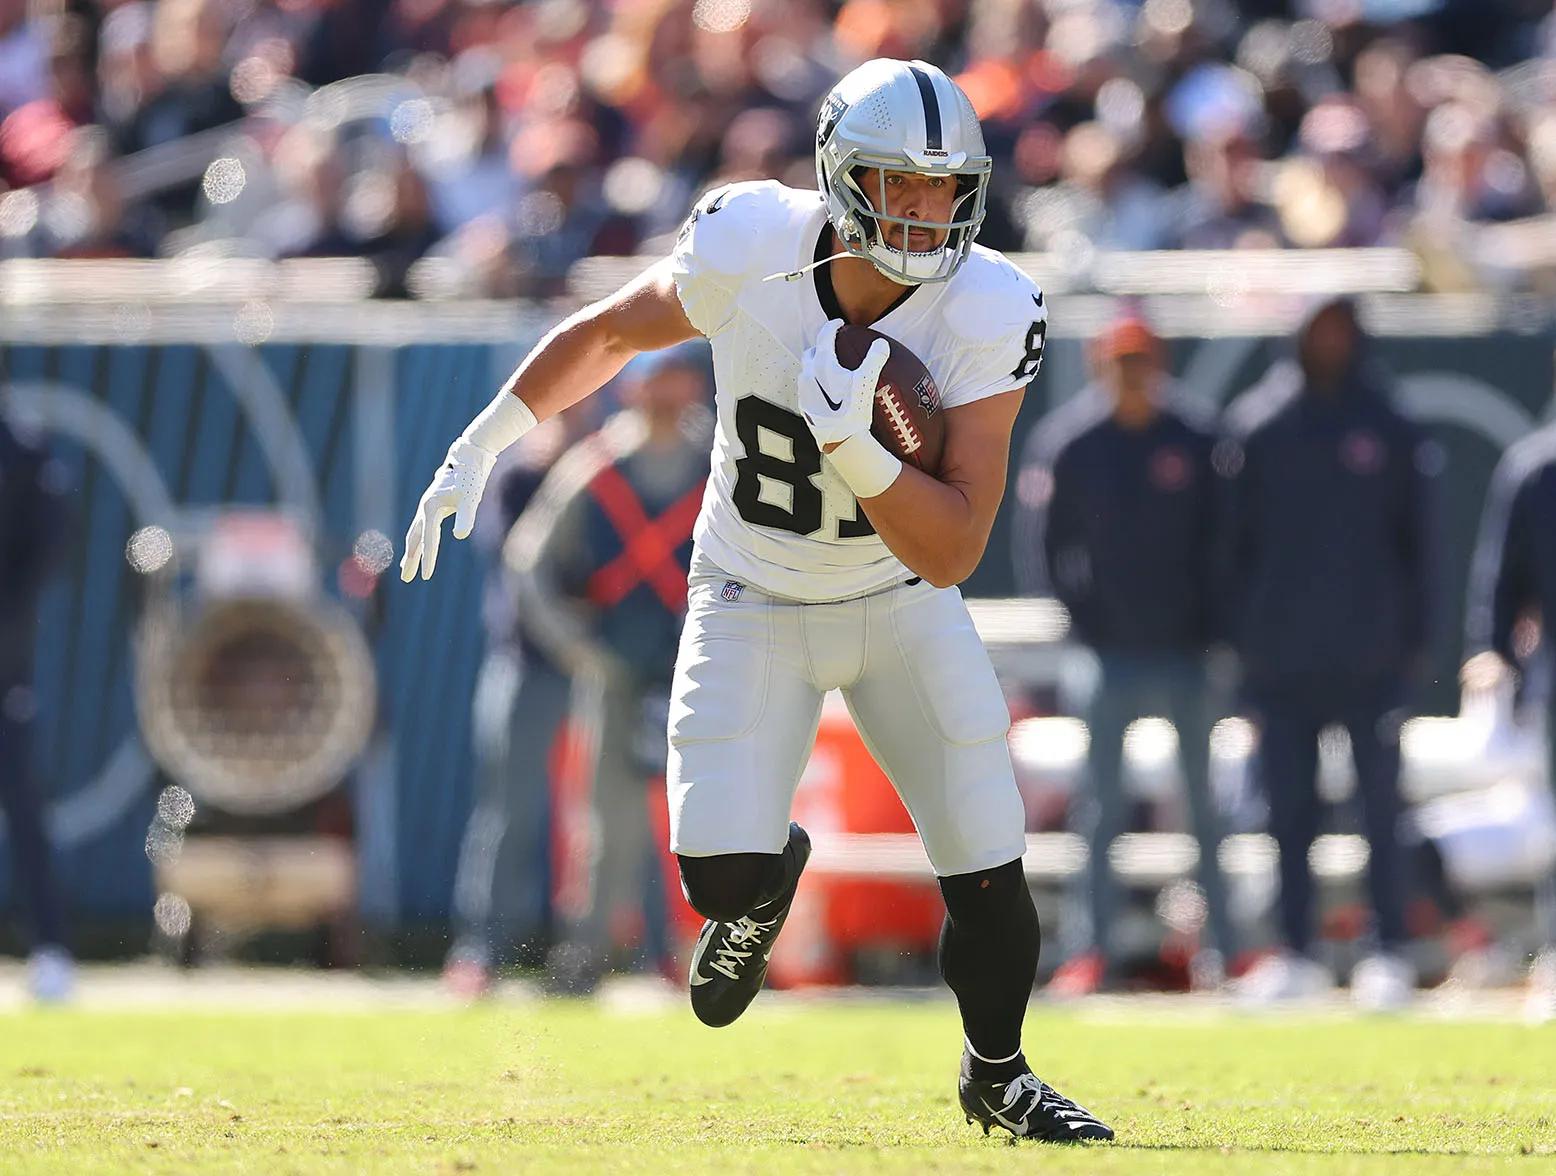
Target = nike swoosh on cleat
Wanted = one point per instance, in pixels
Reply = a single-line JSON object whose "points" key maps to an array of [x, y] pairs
{"points": [[699, 979], [834, 405]]}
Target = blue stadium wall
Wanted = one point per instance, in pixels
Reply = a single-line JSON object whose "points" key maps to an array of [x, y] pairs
{"points": [[177, 400]]}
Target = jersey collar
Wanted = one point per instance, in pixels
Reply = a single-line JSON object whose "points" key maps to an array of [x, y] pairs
{"points": [[826, 294]]}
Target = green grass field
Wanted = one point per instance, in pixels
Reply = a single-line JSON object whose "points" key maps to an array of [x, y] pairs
{"points": [[793, 1088]]}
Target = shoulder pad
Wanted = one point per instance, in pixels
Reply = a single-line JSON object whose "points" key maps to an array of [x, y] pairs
{"points": [[991, 300], [728, 225]]}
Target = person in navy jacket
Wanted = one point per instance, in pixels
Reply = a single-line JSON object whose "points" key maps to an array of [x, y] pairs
{"points": [[600, 558], [1512, 599], [1327, 591], [33, 519], [1117, 513]]}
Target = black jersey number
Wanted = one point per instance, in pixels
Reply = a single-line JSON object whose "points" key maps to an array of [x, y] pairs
{"points": [[802, 515], [1037, 338]]}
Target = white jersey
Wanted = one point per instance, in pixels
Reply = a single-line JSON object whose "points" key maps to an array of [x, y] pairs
{"points": [[776, 515]]}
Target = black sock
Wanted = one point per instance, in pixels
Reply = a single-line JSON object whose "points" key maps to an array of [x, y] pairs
{"points": [[786, 876], [975, 1067], [988, 956], [727, 887]]}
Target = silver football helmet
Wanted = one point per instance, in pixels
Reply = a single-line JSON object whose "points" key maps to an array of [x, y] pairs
{"points": [[900, 116]]}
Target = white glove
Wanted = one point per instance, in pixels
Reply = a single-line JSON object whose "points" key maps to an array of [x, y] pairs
{"points": [[459, 483], [839, 403], [456, 490]]}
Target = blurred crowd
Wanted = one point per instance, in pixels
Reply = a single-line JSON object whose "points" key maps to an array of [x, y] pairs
{"points": [[481, 147]]}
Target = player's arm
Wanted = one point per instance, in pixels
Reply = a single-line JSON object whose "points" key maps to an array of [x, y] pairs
{"points": [[585, 351], [1502, 582], [574, 359], [939, 527]]}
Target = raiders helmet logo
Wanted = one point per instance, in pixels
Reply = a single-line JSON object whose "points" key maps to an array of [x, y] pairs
{"points": [[830, 114]]}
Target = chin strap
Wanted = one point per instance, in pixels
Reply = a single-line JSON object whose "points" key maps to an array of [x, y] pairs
{"points": [[796, 275]]}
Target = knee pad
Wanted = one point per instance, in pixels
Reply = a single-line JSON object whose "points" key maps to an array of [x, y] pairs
{"points": [[727, 886]]}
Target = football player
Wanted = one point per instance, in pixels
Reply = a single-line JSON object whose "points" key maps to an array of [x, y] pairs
{"points": [[821, 561]]}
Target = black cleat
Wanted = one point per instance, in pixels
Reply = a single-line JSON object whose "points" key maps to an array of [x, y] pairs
{"points": [[1029, 1108], [729, 962]]}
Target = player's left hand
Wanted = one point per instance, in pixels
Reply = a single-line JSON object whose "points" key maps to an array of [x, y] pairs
{"points": [[456, 490], [838, 403]]}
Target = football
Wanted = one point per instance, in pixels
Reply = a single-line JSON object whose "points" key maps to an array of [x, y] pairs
{"points": [[908, 420]]}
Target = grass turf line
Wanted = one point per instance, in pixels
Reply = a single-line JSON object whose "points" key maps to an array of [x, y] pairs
{"points": [[567, 1088]]}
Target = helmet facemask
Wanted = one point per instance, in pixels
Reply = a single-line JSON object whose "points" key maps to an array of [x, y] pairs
{"points": [[869, 126], [868, 233]]}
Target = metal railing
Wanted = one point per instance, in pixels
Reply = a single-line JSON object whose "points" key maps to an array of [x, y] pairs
{"points": [[1187, 295]]}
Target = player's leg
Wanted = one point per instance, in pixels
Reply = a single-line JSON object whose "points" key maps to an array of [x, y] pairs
{"points": [[743, 716], [931, 712], [1386, 979], [1101, 811], [1286, 768], [1540, 1002], [1373, 722], [50, 970], [502, 886], [619, 862], [1191, 707]]}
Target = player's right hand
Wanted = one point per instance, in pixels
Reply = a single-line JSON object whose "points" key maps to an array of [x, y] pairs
{"points": [[456, 490], [838, 403]]}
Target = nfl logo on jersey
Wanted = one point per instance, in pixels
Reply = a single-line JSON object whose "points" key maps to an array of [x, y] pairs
{"points": [[732, 590]]}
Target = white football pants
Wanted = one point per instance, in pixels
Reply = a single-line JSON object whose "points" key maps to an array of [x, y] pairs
{"points": [[746, 702]]}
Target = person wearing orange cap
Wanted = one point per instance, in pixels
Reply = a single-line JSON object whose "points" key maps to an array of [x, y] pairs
{"points": [[1116, 502]]}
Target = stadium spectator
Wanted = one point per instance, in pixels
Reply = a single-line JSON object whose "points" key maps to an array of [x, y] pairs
{"points": [[1117, 518], [1220, 207], [388, 211], [1100, 197], [502, 888], [1393, 110], [126, 69], [89, 218], [23, 57], [1542, 157], [1355, 132], [1328, 583], [1469, 173], [466, 160], [601, 561], [161, 78], [562, 216], [33, 137], [1512, 602], [305, 218], [1327, 193], [32, 523]]}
